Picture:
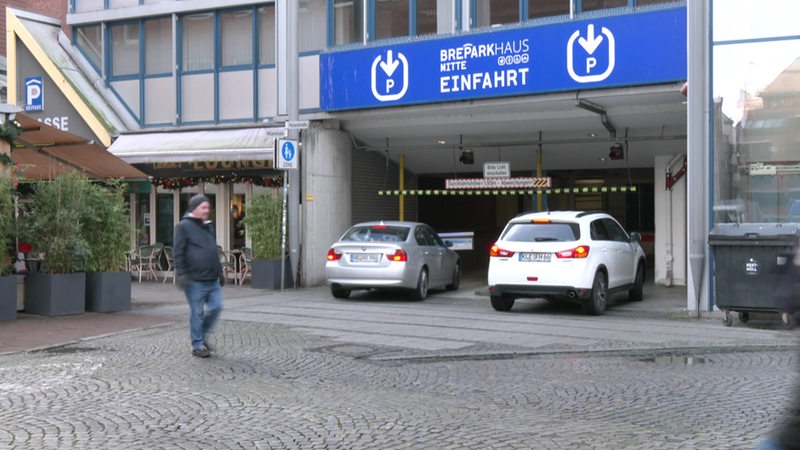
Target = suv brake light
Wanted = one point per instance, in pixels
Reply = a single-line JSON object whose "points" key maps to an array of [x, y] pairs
{"points": [[581, 251], [399, 255], [334, 255], [497, 251]]}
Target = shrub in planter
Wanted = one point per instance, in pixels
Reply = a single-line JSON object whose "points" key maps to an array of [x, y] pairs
{"points": [[53, 222], [8, 281], [263, 219], [107, 232]]}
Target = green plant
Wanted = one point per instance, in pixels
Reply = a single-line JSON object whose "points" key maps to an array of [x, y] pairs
{"points": [[263, 219], [53, 222], [106, 227], [6, 219]]}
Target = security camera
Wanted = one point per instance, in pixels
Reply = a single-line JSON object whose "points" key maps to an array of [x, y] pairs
{"points": [[467, 157], [616, 152]]}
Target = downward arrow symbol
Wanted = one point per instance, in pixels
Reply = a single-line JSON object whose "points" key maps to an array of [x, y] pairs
{"points": [[391, 64], [590, 44]]}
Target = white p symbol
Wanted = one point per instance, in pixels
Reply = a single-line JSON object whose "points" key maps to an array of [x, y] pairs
{"points": [[389, 84], [33, 91], [590, 62]]}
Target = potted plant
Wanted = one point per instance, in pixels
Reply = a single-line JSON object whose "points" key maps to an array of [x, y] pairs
{"points": [[53, 223], [107, 231], [263, 221], [8, 281]]}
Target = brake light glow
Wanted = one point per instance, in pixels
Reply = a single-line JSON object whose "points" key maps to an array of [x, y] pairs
{"points": [[497, 251], [399, 255], [379, 227], [334, 255], [541, 221], [581, 251]]}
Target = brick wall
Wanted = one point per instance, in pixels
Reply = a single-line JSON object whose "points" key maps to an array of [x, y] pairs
{"points": [[51, 8]]}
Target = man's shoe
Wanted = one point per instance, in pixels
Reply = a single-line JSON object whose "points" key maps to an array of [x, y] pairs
{"points": [[201, 352]]}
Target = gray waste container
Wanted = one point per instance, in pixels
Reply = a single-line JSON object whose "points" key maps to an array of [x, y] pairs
{"points": [[754, 270]]}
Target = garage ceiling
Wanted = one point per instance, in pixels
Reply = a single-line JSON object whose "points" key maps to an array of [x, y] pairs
{"points": [[509, 129]]}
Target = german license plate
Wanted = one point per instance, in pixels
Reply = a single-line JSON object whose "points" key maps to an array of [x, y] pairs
{"points": [[534, 257], [365, 257]]}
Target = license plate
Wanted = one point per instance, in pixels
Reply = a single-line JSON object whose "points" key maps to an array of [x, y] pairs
{"points": [[534, 257], [365, 257]]}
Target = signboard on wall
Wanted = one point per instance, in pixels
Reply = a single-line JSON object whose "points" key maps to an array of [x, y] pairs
{"points": [[633, 49]]}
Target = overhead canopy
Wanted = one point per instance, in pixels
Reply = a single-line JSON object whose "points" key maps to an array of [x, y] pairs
{"points": [[44, 152], [189, 146]]}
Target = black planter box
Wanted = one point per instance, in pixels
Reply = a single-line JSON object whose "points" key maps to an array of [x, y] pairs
{"points": [[108, 291], [55, 294], [8, 297], [266, 274]]}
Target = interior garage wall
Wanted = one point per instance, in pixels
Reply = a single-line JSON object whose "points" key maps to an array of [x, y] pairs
{"points": [[326, 195], [670, 242]]}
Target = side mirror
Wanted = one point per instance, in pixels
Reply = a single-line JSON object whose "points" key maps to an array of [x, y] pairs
{"points": [[448, 244], [636, 237]]}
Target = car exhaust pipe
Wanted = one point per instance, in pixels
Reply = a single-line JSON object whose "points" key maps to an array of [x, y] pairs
{"points": [[571, 295]]}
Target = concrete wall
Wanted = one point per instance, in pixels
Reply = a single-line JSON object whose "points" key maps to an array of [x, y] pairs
{"points": [[670, 209], [326, 195]]}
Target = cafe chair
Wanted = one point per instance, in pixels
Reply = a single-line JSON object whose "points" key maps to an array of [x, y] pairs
{"points": [[228, 263], [244, 264], [169, 271]]}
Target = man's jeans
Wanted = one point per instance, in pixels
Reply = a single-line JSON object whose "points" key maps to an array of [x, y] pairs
{"points": [[200, 294]]}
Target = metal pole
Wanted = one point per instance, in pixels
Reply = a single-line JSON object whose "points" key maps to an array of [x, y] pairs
{"points": [[293, 109], [697, 142]]}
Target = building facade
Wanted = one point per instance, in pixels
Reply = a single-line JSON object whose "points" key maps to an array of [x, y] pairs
{"points": [[404, 98]]}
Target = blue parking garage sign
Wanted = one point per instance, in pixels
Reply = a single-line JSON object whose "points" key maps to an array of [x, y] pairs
{"points": [[634, 49]]}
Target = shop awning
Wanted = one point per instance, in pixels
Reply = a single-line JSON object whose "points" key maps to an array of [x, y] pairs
{"points": [[44, 152], [190, 146]]}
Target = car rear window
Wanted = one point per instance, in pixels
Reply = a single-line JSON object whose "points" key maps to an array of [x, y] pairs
{"points": [[542, 232], [376, 233]]}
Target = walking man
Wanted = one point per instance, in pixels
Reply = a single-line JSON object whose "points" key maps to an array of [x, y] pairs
{"points": [[199, 272]]}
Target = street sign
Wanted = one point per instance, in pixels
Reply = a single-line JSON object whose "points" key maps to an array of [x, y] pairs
{"points": [[276, 133], [286, 156], [296, 124], [498, 169]]}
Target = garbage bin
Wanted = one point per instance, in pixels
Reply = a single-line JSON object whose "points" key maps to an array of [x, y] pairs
{"points": [[754, 270]]}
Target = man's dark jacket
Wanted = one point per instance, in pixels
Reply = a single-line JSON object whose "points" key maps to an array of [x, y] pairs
{"points": [[195, 251]]}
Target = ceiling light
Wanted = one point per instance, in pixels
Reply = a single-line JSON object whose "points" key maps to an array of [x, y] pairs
{"points": [[441, 142]]}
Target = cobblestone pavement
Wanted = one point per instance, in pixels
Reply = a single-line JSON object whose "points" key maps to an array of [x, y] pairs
{"points": [[304, 371]]}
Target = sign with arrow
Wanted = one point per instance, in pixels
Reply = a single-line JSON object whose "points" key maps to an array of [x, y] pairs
{"points": [[601, 52]]}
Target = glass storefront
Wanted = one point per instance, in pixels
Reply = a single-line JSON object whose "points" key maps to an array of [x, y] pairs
{"points": [[756, 92]]}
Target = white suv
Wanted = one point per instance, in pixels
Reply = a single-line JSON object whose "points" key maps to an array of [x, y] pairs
{"points": [[581, 256]]}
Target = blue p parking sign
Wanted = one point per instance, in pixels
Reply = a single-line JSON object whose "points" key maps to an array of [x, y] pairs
{"points": [[286, 154]]}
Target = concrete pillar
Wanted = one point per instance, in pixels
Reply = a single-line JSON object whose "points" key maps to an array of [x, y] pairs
{"points": [[326, 203]]}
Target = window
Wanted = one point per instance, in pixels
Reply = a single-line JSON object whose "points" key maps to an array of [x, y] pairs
{"points": [[348, 25], [594, 5], [158, 46], [125, 49], [311, 22], [426, 17], [198, 42], [89, 40], [266, 35], [236, 28], [757, 112], [547, 8], [495, 12], [391, 18]]}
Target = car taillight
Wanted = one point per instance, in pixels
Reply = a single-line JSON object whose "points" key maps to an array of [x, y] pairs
{"points": [[581, 251], [399, 255], [497, 251], [334, 255]]}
